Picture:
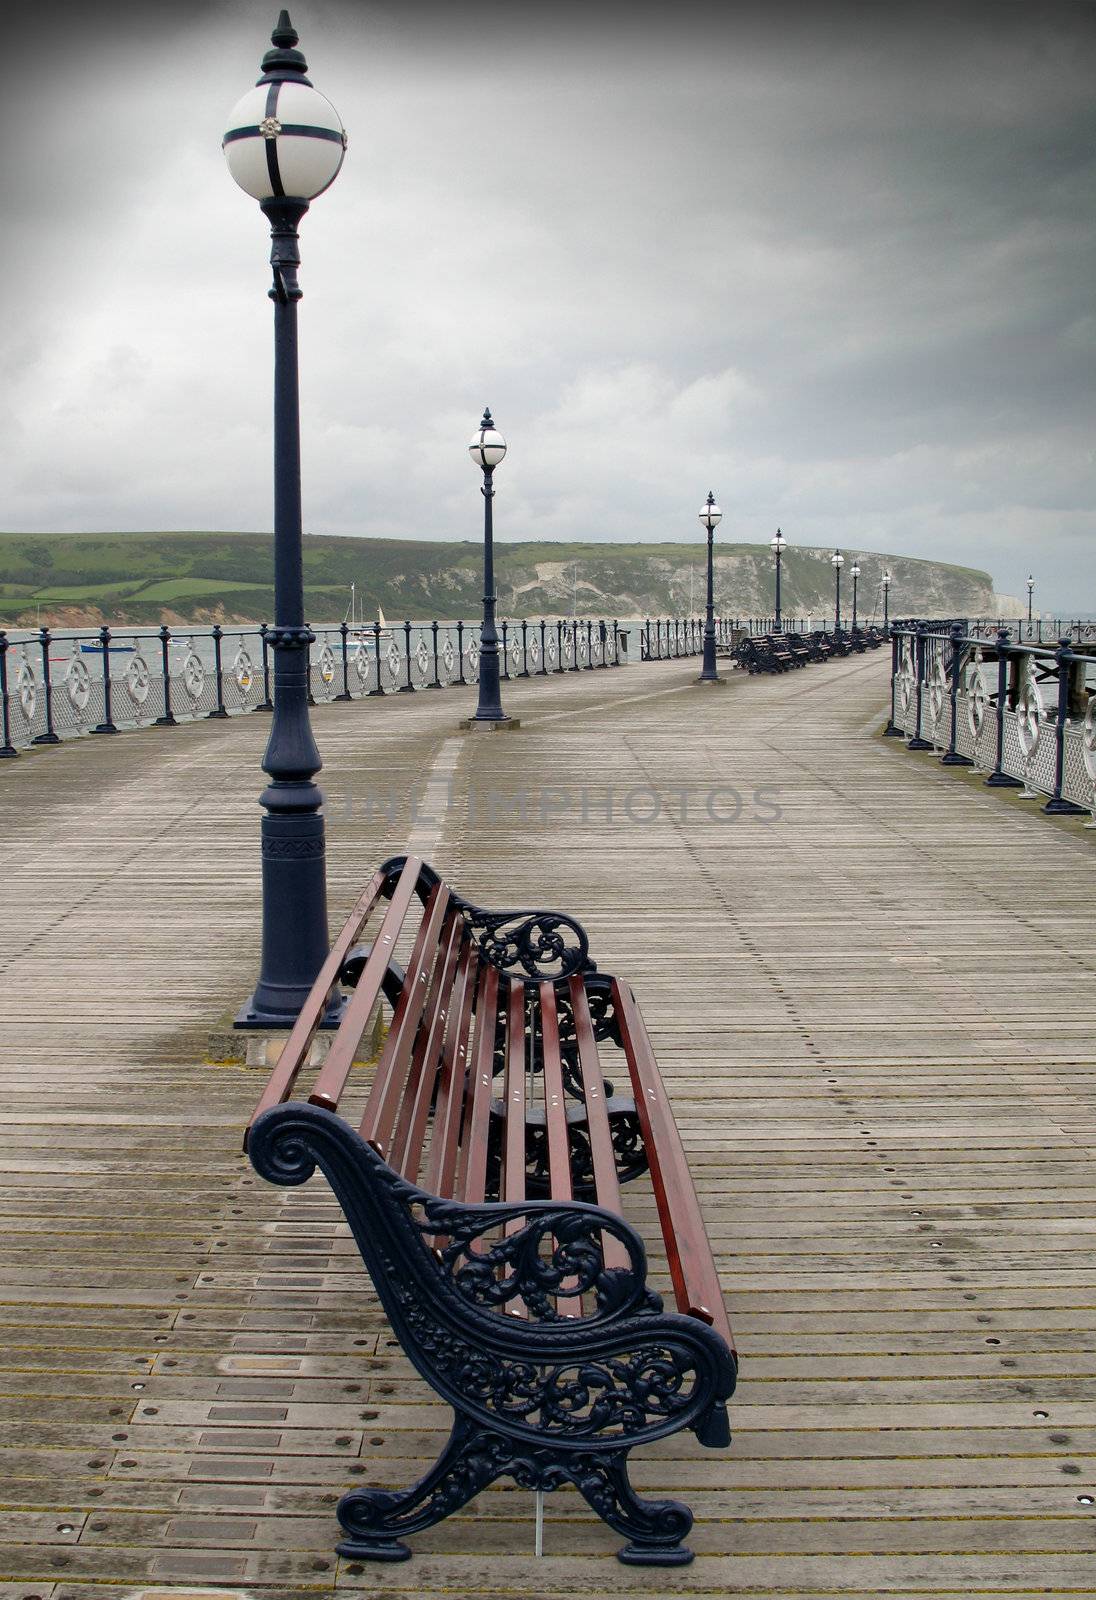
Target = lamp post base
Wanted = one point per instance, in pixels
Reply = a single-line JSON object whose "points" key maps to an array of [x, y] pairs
{"points": [[253, 1017], [489, 724]]}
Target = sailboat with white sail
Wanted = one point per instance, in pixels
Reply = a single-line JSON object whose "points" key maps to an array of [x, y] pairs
{"points": [[361, 631]]}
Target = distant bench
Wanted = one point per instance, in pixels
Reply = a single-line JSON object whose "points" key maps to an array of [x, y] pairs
{"points": [[483, 1186], [767, 652]]}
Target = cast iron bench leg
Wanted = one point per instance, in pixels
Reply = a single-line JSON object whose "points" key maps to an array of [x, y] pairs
{"points": [[376, 1519], [654, 1528]]}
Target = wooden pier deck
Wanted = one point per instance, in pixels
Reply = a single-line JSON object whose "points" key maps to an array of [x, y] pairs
{"points": [[878, 1031]]}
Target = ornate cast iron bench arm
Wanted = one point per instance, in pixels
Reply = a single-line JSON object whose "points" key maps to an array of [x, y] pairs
{"points": [[549, 1398], [528, 945]]}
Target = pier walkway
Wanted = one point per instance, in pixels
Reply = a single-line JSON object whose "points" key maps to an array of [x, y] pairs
{"points": [[877, 1026]]}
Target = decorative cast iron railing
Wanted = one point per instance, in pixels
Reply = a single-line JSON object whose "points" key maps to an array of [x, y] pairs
{"points": [[1041, 630], [666, 638], [1023, 714], [60, 685]]}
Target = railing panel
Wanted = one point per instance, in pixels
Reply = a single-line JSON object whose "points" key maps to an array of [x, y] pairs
{"points": [[27, 694], [137, 682], [1012, 761], [241, 671], [1078, 784]]}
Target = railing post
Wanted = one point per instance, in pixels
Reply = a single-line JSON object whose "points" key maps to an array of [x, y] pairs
{"points": [[574, 645], [1056, 806], [917, 742], [7, 749], [505, 650], [952, 758], [524, 673], [107, 724], [407, 687], [616, 642], [168, 718], [892, 730], [543, 650], [345, 632], [460, 650], [437, 683], [999, 778], [50, 735], [645, 648], [589, 644], [221, 711], [559, 646]]}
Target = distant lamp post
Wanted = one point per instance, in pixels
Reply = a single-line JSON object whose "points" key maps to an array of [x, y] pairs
{"points": [[886, 600], [837, 560], [487, 449], [854, 571], [284, 146], [1030, 587], [778, 547], [710, 515]]}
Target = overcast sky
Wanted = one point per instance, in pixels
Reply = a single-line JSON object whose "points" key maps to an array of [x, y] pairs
{"points": [[836, 263]]}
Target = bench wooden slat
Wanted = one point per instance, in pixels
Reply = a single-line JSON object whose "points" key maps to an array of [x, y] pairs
{"points": [[332, 1076], [555, 1121], [606, 1182], [391, 1077], [692, 1269], [474, 1145], [410, 1130], [555, 1099], [295, 1050], [441, 1169], [513, 1169]]}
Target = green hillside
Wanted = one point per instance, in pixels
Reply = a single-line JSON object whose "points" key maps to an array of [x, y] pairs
{"points": [[145, 578]]}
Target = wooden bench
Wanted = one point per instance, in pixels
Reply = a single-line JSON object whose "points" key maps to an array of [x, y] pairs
{"points": [[820, 646], [763, 652], [481, 1178]]}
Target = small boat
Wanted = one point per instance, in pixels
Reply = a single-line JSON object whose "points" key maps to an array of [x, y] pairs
{"points": [[360, 631], [115, 649]]}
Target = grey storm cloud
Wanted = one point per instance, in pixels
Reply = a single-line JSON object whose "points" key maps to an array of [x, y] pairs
{"points": [[834, 261]]}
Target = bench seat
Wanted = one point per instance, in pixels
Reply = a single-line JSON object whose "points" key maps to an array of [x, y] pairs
{"points": [[482, 1177]]}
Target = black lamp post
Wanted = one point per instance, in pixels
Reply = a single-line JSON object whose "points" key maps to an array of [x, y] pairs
{"points": [[838, 561], [886, 599], [710, 516], [778, 547], [487, 449], [284, 146], [1030, 587], [855, 572]]}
